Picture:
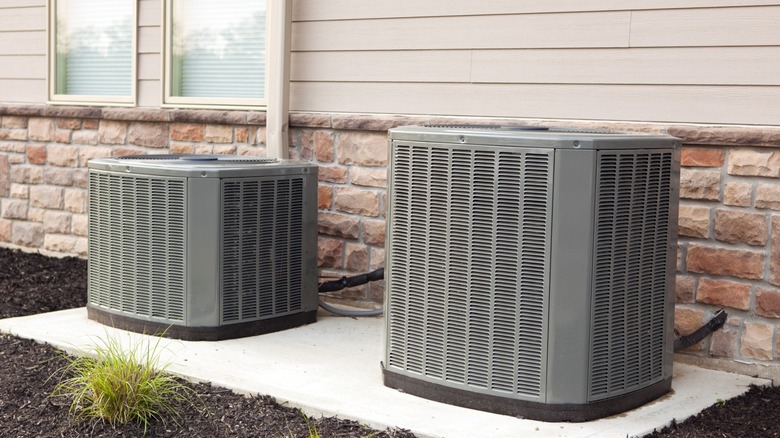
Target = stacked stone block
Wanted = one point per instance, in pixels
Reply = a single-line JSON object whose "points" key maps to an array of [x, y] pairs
{"points": [[729, 245], [351, 199]]}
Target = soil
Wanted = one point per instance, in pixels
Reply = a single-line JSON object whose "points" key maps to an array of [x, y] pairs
{"points": [[32, 283]]}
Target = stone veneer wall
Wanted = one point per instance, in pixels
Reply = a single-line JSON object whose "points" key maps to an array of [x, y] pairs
{"points": [[729, 226]]}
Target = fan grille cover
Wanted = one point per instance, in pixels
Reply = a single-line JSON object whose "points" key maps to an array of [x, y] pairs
{"points": [[137, 244], [262, 228], [630, 281], [462, 315]]}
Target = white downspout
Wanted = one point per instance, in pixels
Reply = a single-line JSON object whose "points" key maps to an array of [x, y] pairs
{"points": [[278, 110]]}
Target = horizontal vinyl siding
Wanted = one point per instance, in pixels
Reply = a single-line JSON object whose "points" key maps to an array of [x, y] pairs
{"points": [[699, 104], [149, 93], [149, 90], [672, 61], [21, 3], [23, 19], [759, 26], [400, 66], [22, 43], [23, 67], [25, 91], [22, 51], [601, 29], [648, 66], [319, 10], [708, 61], [149, 66]]}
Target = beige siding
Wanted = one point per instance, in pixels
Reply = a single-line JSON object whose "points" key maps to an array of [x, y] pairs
{"points": [[649, 66], [21, 3], [22, 51], [606, 29], [674, 61], [759, 26], [23, 19], [23, 67], [700, 104], [319, 10], [149, 66], [668, 66], [149, 13], [149, 93], [22, 43], [149, 39], [381, 66], [149, 49], [708, 61], [32, 91]]}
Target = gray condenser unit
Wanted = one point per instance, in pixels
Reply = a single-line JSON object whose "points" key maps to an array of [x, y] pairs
{"points": [[202, 247], [530, 272]]}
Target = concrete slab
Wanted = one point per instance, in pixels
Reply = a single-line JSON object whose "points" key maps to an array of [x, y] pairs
{"points": [[332, 368]]}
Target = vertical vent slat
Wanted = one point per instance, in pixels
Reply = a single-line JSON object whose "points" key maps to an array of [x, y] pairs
{"points": [[467, 257], [631, 262], [262, 248], [136, 245]]}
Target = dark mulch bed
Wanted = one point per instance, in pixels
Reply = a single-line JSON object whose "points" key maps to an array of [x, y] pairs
{"points": [[753, 414], [31, 283]]}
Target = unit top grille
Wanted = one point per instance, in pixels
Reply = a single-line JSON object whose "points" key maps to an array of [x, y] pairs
{"points": [[203, 166], [533, 136], [201, 159], [515, 128]]}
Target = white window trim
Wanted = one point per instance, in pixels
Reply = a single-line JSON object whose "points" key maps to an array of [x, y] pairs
{"points": [[74, 99]]}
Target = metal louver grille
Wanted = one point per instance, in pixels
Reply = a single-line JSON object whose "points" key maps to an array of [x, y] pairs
{"points": [[136, 244], [633, 202], [468, 256], [262, 243]]}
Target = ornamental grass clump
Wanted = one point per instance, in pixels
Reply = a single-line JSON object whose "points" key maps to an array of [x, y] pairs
{"points": [[122, 386]]}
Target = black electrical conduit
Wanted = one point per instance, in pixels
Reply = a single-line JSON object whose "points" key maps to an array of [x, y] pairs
{"points": [[680, 342], [716, 322], [345, 282]]}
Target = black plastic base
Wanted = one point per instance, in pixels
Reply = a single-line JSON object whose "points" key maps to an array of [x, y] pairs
{"points": [[523, 408], [228, 331]]}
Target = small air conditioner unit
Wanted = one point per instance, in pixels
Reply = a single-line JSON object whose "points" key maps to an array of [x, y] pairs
{"points": [[202, 247], [531, 272]]}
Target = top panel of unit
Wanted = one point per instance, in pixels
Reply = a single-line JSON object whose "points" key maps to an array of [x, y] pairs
{"points": [[532, 136], [209, 166]]}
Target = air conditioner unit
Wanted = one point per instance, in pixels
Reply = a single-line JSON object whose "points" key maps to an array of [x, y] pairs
{"points": [[202, 247], [531, 272]]}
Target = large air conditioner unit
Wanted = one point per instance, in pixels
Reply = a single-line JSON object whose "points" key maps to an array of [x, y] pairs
{"points": [[530, 272], [202, 247]]}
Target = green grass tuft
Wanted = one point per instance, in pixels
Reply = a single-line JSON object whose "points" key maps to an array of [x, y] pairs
{"points": [[120, 386], [313, 432]]}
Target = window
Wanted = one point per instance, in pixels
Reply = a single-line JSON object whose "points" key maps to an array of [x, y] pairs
{"points": [[92, 47], [215, 53]]}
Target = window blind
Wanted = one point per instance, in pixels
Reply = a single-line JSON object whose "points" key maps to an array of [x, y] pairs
{"points": [[94, 47]]}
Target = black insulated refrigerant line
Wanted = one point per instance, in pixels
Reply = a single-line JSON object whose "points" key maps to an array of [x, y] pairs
{"points": [[717, 321], [345, 282]]}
